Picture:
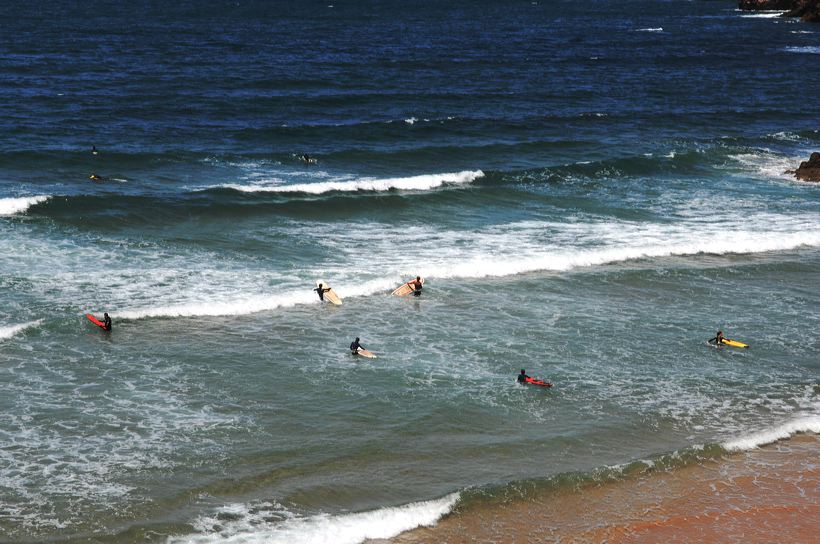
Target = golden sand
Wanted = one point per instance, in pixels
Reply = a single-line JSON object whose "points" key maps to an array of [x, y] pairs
{"points": [[770, 495]]}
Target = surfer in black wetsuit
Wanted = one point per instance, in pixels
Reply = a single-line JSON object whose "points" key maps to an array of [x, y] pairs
{"points": [[106, 322], [718, 339], [322, 291], [522, 378], [355, 346]]}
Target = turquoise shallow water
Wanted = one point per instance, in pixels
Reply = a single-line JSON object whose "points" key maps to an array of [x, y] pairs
{"points": [[573, 212]]}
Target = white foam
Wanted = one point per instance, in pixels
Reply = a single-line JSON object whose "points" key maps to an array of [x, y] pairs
{"points": [[767, 164], [807, 424], [811, 49], [9, 331], [496, 251], [414, 183], [10, 206], [250, 525], [767, 14], [410, 120], [659, 29]]}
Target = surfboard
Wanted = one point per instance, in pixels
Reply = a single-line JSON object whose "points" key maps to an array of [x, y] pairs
{"points": [[366, 353], [534, 381], [405, 289], [96, 321], [734, 343], [331, 295]]}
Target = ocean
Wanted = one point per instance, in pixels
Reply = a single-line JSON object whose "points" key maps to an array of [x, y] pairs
{"points": [[590, 191]]}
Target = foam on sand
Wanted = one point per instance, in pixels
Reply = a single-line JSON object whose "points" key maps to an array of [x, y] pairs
{"points": [[249, 525], [11, 206], [413, 183], [807, 424]]}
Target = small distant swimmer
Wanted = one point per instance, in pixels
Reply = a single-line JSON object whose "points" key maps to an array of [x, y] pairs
{"points": [[522, 378], [355, 346], [93, 149], [718, 339], [106, 322], [416, 284], [307, 159], [95, 177], [322, 290]]}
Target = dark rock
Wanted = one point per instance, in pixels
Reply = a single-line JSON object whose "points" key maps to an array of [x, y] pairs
{"points": [[766, 4], [808, 10], [809, 170]]}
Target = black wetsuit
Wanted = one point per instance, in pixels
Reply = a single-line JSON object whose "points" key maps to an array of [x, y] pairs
{"points": [[322, 291], [354, 347], [417, 292], [522, 378], [107, 323]]}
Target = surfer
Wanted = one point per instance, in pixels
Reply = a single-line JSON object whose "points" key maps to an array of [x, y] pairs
{"points": [[307, 159], [322, 291], [416, 285], [718, 339], [93, 149], [355, 346], [94, 177], [106, 322], [522, 378]]}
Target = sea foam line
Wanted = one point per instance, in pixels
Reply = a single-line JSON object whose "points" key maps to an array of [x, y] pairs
{"points": [[11, 206], [8, 332], [414, 183], [250, 526], [807, 424], [490, 265]]}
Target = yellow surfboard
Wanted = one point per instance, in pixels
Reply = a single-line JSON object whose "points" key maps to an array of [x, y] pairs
{"points": [[331, 295], [405, 289], [734, 343]]}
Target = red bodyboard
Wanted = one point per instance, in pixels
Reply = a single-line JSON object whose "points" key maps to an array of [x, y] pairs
{"points": [[95, 321], [542, 383]]}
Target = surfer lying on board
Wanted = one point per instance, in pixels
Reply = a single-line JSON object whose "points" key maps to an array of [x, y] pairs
{"points": [[416, 285], [718, 339], [522, 378], [355, 346], [106, 322], [322, 291]]}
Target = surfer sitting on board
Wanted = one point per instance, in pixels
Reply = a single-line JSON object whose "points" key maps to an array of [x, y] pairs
{"points": [[416, 285], [322, 291], [522, 378], [718, 339], [355, 346], [106, 322]]}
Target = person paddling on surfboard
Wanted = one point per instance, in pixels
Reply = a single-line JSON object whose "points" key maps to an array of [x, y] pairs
{"points": [[718, 339], [322, 290], [522, 378], [355, 346], [106, 322]]}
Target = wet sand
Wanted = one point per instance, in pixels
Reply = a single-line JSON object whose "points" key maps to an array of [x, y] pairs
{"points": [[771, 494]]}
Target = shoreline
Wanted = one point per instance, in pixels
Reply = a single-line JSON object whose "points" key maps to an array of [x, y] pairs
{"points": [[768, 494]]}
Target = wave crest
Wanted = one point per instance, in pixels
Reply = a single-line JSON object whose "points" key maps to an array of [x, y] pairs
{"points": [[11, 206], [251, 525], [413, 183]]}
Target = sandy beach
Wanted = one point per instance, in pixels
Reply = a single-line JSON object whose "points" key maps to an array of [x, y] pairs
{"points": [[771, 494]]}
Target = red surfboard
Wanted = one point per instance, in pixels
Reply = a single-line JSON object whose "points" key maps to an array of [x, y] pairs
{"points": [[96, 321], [542, 383]]}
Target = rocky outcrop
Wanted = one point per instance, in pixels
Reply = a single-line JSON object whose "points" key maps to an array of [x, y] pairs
{"points": [[809, 170], [808, 10], [765, 4]]}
